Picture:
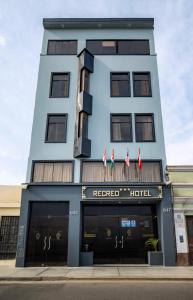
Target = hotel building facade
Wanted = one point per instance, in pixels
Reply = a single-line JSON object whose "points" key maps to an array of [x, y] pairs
{"points": [[97, 91]]}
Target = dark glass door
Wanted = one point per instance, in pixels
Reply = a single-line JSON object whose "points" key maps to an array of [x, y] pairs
{"points": [[117, 234], [48, 234]]}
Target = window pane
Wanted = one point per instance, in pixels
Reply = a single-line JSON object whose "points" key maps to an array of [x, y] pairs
{"points": [[134, 47], [101, 47], [62, 47], [60, 76], [57, 119], [144, 128], [119, 118], [120, 85], [142, 85], [119, 76], [60, 85], [38, 172], [121, 128], [56, 129]]}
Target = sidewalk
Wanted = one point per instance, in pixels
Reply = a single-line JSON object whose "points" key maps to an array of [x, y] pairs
{"points": [[10, 273]]}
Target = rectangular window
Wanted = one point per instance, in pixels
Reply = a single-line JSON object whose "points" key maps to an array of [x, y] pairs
{"points": [[61, 47], [93, 171], [8, 237], [56, 128], [118, 47], [101, 47], [59, 85], [121, 128], [144, 128], [52, 172], [120, 85], [141, 84], [134, 47]]}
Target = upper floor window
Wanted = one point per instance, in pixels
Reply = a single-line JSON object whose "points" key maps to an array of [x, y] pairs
{"points": [[144, 128], [120, 85], [121, 128], [59, 85], [93, 171], [134, 47], [56, 128], [52, 171], [141, 84], [119, 47], [62, 47]]}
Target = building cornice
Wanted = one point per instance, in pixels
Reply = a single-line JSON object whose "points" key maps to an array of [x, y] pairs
{"points": [[98, 23]]}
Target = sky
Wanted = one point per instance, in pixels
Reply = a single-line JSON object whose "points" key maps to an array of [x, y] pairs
{"points": [[21, 33]]}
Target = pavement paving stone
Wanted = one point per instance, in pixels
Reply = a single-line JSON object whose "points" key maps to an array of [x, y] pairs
{"points": [[105, 272], [80, 272]]}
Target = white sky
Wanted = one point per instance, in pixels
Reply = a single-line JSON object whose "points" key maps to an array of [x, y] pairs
{"points": [[20, 44]]}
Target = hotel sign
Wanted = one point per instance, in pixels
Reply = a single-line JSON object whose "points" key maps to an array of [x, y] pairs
{"points": [[121, 192]]}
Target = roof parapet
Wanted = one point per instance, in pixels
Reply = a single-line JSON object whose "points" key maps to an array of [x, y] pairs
{"points": [[98, 23]]}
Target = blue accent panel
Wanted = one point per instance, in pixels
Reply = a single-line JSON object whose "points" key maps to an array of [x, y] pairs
{"points": [[85, 101], [86, 60], [84, 147]]}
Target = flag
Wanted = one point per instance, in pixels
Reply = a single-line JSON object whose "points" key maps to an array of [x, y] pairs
{"points": [[105, 158], [112, 161], [139, 159], [127, 162]]}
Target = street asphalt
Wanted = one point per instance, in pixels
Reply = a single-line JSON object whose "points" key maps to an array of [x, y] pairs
{"points": [[117, 290]]}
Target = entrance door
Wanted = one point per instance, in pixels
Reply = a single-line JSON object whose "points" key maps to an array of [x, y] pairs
{"points": [[189, 221], [117, 234], [48, 234]]}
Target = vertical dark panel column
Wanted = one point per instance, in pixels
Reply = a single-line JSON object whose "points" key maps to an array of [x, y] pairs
{"points": [[167, 227], [82, 145]]}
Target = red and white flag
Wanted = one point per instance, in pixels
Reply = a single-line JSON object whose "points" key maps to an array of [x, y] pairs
{"points": [[127, 161], [105, 158], [139, 159]]}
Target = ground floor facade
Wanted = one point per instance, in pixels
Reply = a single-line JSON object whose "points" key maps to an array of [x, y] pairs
{"points": [[10, 198], [182, 190], [95, 224]]}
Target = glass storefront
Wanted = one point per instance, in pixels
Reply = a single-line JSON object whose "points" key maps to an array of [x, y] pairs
{"points": [[117, 234]]}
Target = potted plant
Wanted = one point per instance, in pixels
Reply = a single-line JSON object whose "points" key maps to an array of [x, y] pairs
{"points": [[155, 257]]}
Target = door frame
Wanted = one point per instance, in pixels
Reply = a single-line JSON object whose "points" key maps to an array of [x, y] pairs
{"points": [[30, 203]]}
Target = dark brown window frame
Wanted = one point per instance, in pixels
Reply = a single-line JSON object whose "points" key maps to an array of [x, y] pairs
{"points": [[47, 126], [111, 128], [129, 83], [153, 129], [51, 82], [62, 41], [150, 87], [117, 40]]}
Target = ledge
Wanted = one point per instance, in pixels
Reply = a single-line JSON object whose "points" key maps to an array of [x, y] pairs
{"points": [[98, 23]]}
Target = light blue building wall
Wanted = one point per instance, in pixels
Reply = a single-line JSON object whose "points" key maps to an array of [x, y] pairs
{"points": [[103, 104]]}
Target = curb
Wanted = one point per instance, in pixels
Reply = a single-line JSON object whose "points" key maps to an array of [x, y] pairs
{"points": [[59, 278]]}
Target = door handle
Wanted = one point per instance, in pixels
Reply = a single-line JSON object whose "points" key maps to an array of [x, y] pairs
{"points": [[122, 242], [49, 242], [116, 242], [45, 238]]}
